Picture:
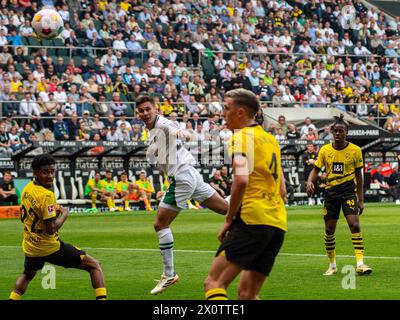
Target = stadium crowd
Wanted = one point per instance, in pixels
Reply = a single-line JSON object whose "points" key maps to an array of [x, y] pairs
{"points": [[187, 54]]}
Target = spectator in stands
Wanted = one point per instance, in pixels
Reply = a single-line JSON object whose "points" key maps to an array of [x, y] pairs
{"points": [[28, 108], [134, 47], [73, 126], [117, 106], [225, 134], [7, 190], [292, 132], [279, 134], [27, 134], [113, 135], [120, 86], [15, 140], [97, 124], [61, 131], [60, 67], [307, 125], [84, 132], [326, 134], [219, 184], [282, 124], [5, 143], [101, 107], [310, 135], [110, 121]]}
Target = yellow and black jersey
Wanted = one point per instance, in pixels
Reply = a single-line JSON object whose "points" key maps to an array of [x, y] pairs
{"points": [[262, 203], [38, 205], [296, 13], [340, 166], [278, 22]]}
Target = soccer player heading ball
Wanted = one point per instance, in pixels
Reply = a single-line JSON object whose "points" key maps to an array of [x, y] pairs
{"points": [[167, 150], [344, 165], [42, 218]]}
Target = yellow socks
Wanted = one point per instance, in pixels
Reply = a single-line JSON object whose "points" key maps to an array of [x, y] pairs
{"points": [[216, 294], [330, 244], [110, 203], [94, 198], [101, 293], [15, 296], [358, 243], [147, 204]]}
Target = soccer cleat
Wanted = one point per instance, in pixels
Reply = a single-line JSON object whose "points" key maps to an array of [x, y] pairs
{"points": [[164, 283], [127, 208], [192, 207], [330, 272], [363, 269], [149, 208], [397, 201], [113, 209]]}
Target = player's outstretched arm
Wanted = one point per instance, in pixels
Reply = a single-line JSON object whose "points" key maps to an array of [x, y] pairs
{"points": [[53, 226], [311, 180]]}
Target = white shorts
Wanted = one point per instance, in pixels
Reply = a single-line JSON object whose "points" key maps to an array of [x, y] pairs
{"points": [[187, 184]]}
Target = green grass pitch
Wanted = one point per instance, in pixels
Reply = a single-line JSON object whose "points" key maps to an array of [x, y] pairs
{"points": [[127, 247]]}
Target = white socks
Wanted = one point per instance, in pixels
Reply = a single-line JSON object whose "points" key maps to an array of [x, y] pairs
{"points": [[166, 241]]}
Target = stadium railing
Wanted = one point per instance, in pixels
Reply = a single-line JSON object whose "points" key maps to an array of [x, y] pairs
{"points": [[216, 107], [92, 51]]}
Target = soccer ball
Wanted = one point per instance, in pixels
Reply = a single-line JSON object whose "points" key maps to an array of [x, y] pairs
{"points": [[47, 24]]}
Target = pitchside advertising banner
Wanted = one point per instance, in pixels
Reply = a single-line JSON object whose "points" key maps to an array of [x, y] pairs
{"points": [[364, 132]]}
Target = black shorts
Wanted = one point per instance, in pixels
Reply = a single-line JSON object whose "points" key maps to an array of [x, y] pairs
{"points": [[68, 257], [332, 206], [254, 247]]}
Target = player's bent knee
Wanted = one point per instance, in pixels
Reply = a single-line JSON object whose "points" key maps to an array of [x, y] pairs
{"points": [[89, 264], [159, 226]]}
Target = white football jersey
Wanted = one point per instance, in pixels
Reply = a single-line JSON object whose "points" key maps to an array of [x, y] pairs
{"points": [[166, 150]]}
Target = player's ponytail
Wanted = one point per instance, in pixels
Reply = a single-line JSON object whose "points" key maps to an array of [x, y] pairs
{"points": [[340, 120]]}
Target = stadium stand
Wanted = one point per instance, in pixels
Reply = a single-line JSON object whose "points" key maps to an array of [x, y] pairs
{"points": [[302, 58]]}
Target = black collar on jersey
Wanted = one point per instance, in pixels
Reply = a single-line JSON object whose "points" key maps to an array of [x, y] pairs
{"points": [[252, 125], [333, 146]]}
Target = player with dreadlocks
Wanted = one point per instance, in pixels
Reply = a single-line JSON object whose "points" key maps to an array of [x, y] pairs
{"points": [[343, 164]]}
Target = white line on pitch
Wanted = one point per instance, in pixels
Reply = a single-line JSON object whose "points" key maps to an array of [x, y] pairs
{"points": [[208, 251]]}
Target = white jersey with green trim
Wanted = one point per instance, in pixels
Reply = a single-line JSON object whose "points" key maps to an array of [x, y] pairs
{"points": [[166, 150]]}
